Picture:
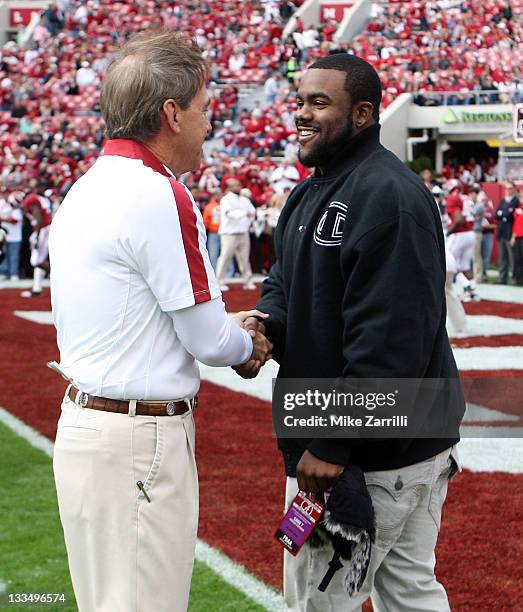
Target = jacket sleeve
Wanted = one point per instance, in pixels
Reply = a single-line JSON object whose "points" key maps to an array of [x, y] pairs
{"points": [[274, 303], [392, 308], [273, 299]]}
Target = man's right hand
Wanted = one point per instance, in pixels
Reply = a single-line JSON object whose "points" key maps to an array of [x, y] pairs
{"points": [[261, 348], [253, 366]]}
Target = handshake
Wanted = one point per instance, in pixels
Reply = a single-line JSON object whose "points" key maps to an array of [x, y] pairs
{"points": [[261, 347]]}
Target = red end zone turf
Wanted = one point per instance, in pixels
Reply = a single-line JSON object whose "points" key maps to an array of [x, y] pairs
{"points": [[241, 474]]}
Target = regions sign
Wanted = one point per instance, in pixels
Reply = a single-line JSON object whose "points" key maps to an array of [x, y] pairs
{"points": [[452, 117], [485, 117]]}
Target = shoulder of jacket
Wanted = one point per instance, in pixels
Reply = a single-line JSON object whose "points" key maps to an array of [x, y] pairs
{"points": [[383, 173]]}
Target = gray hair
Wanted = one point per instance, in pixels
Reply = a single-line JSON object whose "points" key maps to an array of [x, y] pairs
{"points": [[149, 69]]}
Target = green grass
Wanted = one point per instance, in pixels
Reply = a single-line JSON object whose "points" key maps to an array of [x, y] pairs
{"points": [[32, 550]]}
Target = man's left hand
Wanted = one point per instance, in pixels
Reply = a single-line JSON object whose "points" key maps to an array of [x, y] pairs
{"points": [[316, 475], [248, 319]]}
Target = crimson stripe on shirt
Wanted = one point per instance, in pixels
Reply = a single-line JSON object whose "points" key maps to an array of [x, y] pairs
{"points": [[132, 149], [189, 227]]}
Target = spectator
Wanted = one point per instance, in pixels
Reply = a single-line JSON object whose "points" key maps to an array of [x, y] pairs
{"points": [[236, 62], [85, 75], [54, 19], [310, 40], [476, 170], [291, 149], [291, 69], [490, 171], [489, 225], [505, 219], [437, 192], [478, 214], [271, 89], [285, 176], [256, 183], [209, 183], [11, 218], [286, 10], [516, 242], [236, 216], [426, 177], [464, 175], [211, 220]]}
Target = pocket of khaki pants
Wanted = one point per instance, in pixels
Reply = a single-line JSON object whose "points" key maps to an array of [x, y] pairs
{"points": [[147, 445], [79, 423], [438, 494], [455, 465], [78, 433], [391, 509]]}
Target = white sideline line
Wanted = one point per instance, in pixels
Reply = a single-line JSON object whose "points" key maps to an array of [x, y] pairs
{"points": [[230, 572], [481, 454], [473, 358], [477, 325], [238, 577], [489, 358], [44, 317], [32, 436], [501, 293], [489, 325]]}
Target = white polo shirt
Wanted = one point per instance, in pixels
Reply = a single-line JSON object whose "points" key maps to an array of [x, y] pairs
{"points": [[14, 230], [236, 214], [127, 246]]}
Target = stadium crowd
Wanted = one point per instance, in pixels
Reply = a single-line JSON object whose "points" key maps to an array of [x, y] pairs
{"points": [[446, 46], [50, 126]]}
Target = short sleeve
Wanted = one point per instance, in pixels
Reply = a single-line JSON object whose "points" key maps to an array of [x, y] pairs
{"points": [[166, 244]]}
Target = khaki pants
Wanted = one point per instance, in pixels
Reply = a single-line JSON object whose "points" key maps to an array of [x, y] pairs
{"points": [[127, 554], [477, 259], [401, 571], [231, 245]]}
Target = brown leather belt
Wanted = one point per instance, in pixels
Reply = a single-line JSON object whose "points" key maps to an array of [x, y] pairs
{"points": [[122, 406]]}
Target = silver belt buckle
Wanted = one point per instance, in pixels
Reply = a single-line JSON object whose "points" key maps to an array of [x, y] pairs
{"points": [[171, 408], [83, 398]]}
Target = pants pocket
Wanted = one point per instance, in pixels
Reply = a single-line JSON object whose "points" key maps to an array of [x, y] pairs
{"points": [[391, 510], [455, 465], [147, 449], [78, 433], [438, 495], [78, 423], [439, 489]]}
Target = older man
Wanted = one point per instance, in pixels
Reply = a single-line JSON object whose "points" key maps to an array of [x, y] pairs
{"points": [[135, 302]]}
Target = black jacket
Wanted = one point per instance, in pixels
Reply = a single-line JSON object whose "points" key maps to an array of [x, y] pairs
{"points": [[357, 291], [505, 217]]}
